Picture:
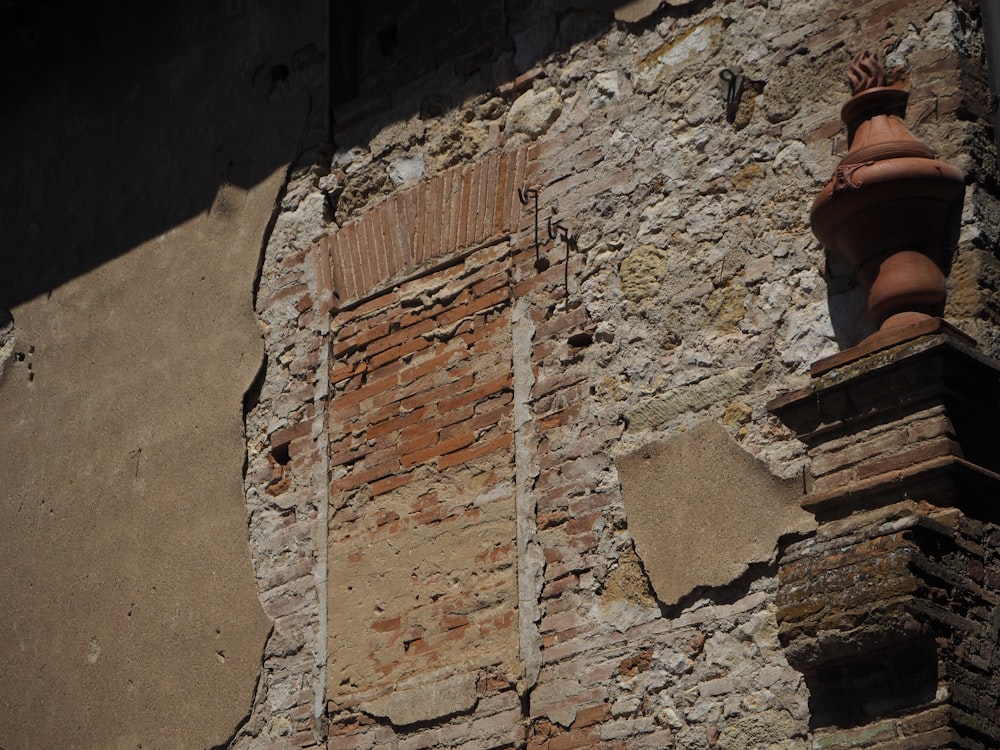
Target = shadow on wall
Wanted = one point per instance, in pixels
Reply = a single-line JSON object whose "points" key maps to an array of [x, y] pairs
{"points": [[846, 300], [98, 161], [454, 50], [120, 124]]}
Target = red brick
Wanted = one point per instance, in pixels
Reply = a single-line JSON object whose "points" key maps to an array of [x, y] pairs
{"points": [[578, 739], [437, 423], [285, 293], [437, 364], [477, 207], [419, 442], [521, 216], [488, 195], [384, 626], [363, 271], [338, 268], [410, 227], [359, 477], [501, 442], [568, 416], [368, 251], [923, 452], [394, 337], [447, 215], [551, 519], [554, 588], [412, 345], [505, 186], [547, 385], [451, 621], [414, 205], [499, 417], [460, 207], [350, 397], [477, 394], [594, 715], [394, 217], [474, 305], [387, 241], [390, 483], [286, 435], [472, 205], [403, 420], [430, 243], [497, 278], [440, 449]]}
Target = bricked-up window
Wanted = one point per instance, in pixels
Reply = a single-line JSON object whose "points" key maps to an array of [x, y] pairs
{"points": [[422, 457]]}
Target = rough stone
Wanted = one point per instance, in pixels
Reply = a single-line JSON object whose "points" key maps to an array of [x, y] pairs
{"points": [[636, 10], [533, 113], [413, 703], [406, 170], [688, 49], [643, 272]]}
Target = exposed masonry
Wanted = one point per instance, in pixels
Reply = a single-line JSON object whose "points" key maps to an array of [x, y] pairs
{"points": [[474, 203], [530, 557], [701, 288], [415, 370]]}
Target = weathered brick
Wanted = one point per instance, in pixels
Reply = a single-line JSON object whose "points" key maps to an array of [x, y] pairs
{"points": [[501, 442]]}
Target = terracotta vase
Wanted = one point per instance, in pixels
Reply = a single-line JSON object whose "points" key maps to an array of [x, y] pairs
{"points": [[890, 207]]}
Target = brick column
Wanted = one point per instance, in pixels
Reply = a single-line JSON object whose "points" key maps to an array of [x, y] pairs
{"points": [[890, 608]]}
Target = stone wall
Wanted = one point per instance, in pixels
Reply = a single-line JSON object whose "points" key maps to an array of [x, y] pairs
{"points": [[440, 449]]}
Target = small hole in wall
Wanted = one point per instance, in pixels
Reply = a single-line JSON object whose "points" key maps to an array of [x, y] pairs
{"points": [[280, 454], [388, 39], [581, 339], [279, 73]]}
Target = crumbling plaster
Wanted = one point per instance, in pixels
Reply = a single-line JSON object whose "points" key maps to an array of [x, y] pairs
{"points": [[702, 510]]}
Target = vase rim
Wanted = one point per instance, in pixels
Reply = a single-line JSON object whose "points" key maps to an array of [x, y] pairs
{"points": [[879, 100]]}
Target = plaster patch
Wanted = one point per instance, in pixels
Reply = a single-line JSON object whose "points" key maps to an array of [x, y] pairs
{"points": [[701, 510]]}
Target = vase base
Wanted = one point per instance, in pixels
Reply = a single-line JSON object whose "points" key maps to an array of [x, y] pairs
{"points": [[902, 319], [890, 336]]}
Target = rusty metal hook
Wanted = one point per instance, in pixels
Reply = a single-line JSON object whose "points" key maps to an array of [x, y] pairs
{"points": [[558, 229], [524, 195]]}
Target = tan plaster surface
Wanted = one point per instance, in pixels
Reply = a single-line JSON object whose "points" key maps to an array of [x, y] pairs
{"points": [[131, 614], [701, 510]]}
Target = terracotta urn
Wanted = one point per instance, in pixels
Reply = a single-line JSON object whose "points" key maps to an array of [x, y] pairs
{"points": [[890, 207]]}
